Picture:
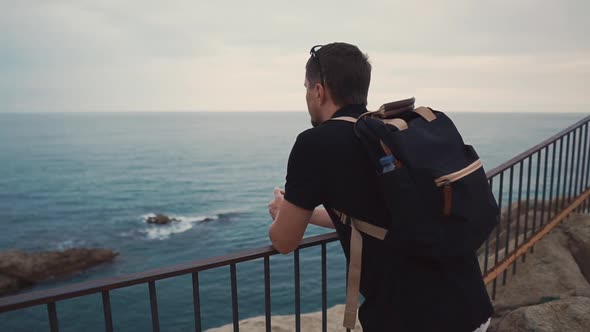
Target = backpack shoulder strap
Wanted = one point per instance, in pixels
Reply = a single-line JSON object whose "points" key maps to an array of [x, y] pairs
{"points": [[426, 113], [345, 118], [354, 268]]}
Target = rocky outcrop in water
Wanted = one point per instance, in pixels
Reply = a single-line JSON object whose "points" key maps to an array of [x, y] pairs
{"points": [[21, 269], [160, 219]]}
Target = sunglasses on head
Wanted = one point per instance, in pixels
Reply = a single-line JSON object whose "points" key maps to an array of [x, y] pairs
{"points": [[314, 54]]}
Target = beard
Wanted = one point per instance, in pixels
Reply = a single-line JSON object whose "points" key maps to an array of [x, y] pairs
{"points": [[314, 123]]}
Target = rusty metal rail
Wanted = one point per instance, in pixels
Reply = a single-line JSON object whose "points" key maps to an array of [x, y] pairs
{"points": [[555, 177], [544, 206]]}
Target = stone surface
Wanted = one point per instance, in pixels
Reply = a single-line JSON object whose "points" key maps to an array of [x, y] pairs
{"points": [[309, 322], [21, 269], [551, 271], [571, 314]]}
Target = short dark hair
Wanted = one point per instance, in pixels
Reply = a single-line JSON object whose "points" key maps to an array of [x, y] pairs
{"points": [[346, 72]]}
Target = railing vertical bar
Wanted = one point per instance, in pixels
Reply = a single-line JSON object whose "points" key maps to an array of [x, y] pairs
{"points": [[508, 221], [197, 302], [520, 171], [498, 229], [574, 184], [527, 204], [586, 163], [577, 184], [267, 312], [535, 205], [557, 198], [552, 177], [487, 248], [154, 306], [580, 166], [571, 167], [587, 158], [324, 289], [587, 177], [52, 312], [582, 178], [546, 150], [234, 297], [297, 292], [106, 306], [565, 171]]}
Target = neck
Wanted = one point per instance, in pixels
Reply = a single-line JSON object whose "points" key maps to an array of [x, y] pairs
{"points": [[329, 111]]}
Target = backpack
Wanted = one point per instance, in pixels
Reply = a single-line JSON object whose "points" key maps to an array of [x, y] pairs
{"points": [[435, 188]]}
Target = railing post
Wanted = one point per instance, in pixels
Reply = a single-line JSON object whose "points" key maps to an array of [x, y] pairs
{"points": [[557, 198], [267, 311], [108, 318], [517, 233], [498, 229], [196, 302], [154, 306], [52, 312], [234, 297], [297, 292], [324, 290], [508, 221], [528, 197]]}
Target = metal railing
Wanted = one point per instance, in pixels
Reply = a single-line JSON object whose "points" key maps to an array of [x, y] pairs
{"points": [[544, 205], [555, 177]]}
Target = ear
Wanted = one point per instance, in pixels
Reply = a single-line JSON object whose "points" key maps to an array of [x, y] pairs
{"points": [[320, 93]]}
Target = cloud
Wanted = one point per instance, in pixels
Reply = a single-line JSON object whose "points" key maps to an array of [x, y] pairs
{"points": [[197, 55]]}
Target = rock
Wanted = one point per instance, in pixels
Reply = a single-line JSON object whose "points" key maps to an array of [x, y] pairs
{"points": [[12, 284], [570, 314], [160, 219], [551, 271], [578, 231], [20, 269], [309, 322]]}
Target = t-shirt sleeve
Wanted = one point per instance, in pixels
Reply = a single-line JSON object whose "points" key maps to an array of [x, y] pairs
{"points": [[304, 186]]}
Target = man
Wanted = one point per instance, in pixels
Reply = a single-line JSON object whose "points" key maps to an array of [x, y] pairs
{"points": [[328, 166]]}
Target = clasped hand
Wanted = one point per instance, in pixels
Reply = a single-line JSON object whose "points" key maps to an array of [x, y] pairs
{"points": [[275, 205]]}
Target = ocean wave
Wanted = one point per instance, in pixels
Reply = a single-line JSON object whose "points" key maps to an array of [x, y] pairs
{"points": [[185, 223]]}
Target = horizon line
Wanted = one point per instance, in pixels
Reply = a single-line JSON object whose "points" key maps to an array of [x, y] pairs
{"points": [[259, 111]]}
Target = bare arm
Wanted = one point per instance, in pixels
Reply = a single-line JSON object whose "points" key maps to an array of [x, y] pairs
{"points": [[288, 227], [290, 222], [320, 217]]}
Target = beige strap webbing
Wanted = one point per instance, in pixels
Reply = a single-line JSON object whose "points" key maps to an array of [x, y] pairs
{"points": [[355, 265], [400, 124], [369, 229], [345, 118], [354, 278], [426, 113]]}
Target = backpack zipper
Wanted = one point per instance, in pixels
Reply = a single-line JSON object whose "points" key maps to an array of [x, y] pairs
{"points": [[446, 181], [450, 178]]}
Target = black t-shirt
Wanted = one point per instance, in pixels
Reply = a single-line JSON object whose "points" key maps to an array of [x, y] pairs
{"points": [[329, 166]]}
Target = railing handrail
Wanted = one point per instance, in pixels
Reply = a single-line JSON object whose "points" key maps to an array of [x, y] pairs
{"points": [[529, 152], [19, 301]]}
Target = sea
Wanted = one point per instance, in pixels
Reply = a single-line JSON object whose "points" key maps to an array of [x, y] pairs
{"points": [[71, 180]]}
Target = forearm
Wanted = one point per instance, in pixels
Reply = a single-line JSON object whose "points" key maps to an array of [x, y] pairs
{"points": [[320, 217]]}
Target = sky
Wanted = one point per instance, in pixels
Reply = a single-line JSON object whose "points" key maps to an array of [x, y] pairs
{"points": [[143, 55]]}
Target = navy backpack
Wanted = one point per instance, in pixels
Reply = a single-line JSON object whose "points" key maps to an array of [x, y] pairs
{"points": [[435, 188]]}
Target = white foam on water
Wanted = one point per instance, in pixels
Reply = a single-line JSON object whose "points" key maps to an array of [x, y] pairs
{"points": [[69, 244], [163, 232]]}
